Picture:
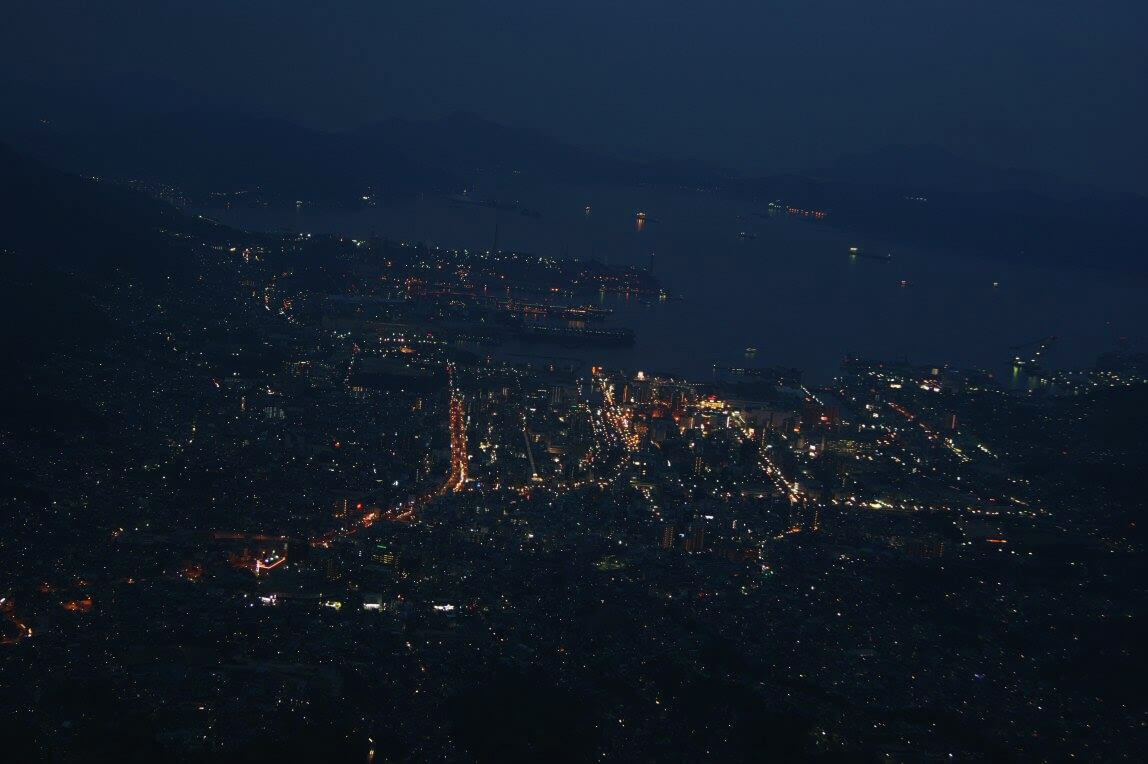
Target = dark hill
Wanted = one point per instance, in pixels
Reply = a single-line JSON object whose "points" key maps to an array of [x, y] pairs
{"points": [[463, 143], [206, 152], [53, 219]]}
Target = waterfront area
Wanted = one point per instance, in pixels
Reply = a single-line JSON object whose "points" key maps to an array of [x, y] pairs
{"points": [[793, 292], [334, 477]]}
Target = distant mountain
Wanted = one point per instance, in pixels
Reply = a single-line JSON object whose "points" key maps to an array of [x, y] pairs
{"points": [[924, 168], [919, 195], [463, 144], [206, 152]]}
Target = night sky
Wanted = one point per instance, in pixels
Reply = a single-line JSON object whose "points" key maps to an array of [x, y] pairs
{"points": [[1054, 85]]}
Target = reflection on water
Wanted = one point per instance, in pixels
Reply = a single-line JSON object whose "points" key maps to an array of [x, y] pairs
{"points": [[788, 289]]}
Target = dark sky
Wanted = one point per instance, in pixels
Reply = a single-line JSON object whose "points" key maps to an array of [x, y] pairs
{"points": [[759, 85]]}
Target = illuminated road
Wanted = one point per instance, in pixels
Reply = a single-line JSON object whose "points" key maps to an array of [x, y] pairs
{"points": [[530, 455], [455, 481], [613, 414], [458, 454], [18, 630]]}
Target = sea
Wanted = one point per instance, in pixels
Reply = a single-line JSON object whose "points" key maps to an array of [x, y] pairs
{"points": [[751, 289]]}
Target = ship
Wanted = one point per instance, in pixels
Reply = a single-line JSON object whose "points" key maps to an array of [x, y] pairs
{"points": [[466, 200], [574, 336], [858, 252]]}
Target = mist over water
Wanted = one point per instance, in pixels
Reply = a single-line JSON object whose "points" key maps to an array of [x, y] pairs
{"points": [[788, 288]]}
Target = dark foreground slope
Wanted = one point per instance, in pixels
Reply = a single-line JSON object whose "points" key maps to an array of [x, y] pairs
{"points": [[58, 220], [63, 240]]}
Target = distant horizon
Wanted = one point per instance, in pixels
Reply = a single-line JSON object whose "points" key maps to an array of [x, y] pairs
{"points": [[103, 92], [761, 87]]}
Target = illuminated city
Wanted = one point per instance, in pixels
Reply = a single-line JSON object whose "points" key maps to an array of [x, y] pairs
{"points": [[442, 440]]}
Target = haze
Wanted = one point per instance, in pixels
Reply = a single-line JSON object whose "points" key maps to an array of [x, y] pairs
{"points": [[756, 86]]}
